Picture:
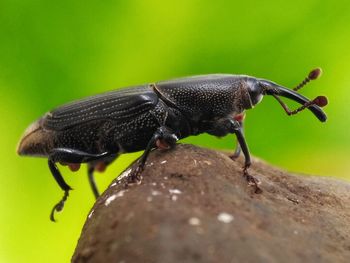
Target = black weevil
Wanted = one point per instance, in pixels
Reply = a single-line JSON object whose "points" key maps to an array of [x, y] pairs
{"points": [[97, 129]]}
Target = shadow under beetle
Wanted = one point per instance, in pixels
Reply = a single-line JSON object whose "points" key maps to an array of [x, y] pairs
{"points": [[97, 129]]}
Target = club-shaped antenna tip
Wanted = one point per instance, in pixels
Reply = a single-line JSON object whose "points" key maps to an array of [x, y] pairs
{"points": [[321, 101], [316, 73]]}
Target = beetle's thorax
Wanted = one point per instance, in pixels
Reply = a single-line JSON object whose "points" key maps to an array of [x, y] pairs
{"points": [[208, 98]]}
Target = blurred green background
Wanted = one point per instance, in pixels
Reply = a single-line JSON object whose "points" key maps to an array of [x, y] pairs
{"points": [[52, 52]]}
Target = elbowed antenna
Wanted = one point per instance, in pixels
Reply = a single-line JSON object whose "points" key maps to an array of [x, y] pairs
{"points": [[314, 74], [314, 105], [320, 101]]}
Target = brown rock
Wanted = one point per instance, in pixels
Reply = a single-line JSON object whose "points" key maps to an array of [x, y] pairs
{"points": [[193, 205]]}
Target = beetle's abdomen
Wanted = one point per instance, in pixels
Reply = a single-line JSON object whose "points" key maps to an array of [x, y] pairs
{"points": [[102, 123], [92, 137], [36, 141]]}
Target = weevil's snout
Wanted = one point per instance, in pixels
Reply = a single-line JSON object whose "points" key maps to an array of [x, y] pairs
{"points": [[271, 88], [256, 91]]}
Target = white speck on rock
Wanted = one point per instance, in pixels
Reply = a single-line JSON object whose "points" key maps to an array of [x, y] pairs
{"points": [[150, 164], [114, 184], [149, 198], [154, 184], [113, 197], [121, 193], [225, 218], [295, 232], [155, 192], [110, 199], [174, 197], [175, 191], [124, 174], [207, 162], [91, 213], [163, 162], [165, 177], [194, 221]]}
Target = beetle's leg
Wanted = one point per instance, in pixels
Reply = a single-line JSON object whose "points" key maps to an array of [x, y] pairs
{"points": [[64, 186], [98, 165], [230, 125], [69, 156], [92, 181], [237, 151], [251, 179], [163, 134], [75, 156], [240, 119], [244, 147]]}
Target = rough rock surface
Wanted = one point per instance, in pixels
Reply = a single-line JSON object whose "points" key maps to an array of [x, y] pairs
{"points": [[193, 205]]}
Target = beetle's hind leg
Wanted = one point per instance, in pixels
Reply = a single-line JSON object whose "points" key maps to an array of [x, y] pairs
{"points": [[71, 157], [64, 186], [163, 138]]}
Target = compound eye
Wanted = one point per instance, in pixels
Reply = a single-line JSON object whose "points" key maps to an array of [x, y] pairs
{"points": [[255, 93]]}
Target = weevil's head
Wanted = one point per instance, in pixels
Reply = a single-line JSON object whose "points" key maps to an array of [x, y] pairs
{"points": [[255, 91], [257, 88]]}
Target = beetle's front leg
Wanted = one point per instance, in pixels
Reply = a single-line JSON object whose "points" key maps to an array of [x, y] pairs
{"points": [[243, 145], [240, 118], [230, 125], [163, 138]]}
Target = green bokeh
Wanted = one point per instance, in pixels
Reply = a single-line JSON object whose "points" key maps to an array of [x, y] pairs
{"points": [[52, 52]]}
